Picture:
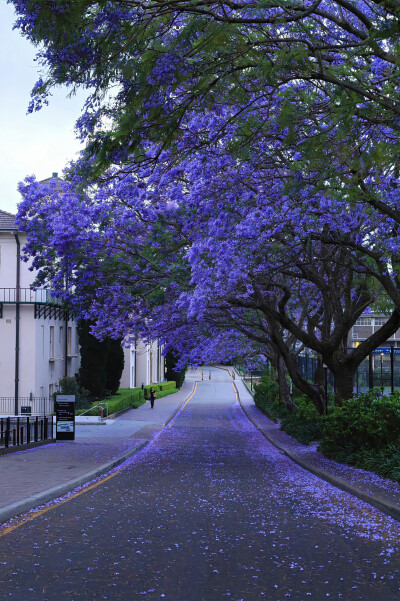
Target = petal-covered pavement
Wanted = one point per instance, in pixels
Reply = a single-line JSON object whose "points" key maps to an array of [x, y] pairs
{"points": [[208, 511]]}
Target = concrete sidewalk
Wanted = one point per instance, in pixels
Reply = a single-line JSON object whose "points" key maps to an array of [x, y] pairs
{"points": [[35, 476], [379, 492]]}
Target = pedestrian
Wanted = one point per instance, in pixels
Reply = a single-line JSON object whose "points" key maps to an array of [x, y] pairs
{"points": [[152, 397]]}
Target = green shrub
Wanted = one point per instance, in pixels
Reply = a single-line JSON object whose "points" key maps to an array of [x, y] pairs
{"points": [[163, 393], [368, 421], [171, 371], [266, 398], [124, 399], [158, 388], [305, 424], [168, 385], [384, 462], [70, 385], [128, 398]]}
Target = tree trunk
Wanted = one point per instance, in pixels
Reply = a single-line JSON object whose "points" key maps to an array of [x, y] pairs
{"points": [[319, 381], [284, 392], [344, 383], [303, 385]]}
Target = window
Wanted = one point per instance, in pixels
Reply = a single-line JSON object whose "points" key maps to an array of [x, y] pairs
{"points": [[379, 321], [51, 390], [69, 342], [51, 350], [60, 341], [363, 321]]}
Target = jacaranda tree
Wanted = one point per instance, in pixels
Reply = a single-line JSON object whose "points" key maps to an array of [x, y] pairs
{"points": [[240, 177]]}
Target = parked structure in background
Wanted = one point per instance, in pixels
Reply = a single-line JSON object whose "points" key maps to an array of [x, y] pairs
{"points": [[144, 364], [38, 338]]}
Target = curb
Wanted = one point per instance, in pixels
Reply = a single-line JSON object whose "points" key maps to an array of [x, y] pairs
{"points": [[15, 509], [23, 506], [173, 414], [390, 509]]}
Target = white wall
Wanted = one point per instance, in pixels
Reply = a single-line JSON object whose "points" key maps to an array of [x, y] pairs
{"points": [[37, 370], [144, 364]]}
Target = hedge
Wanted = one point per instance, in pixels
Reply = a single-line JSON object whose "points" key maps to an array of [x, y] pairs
{"points": [[125, 398], [158, 388], [167, 385]]}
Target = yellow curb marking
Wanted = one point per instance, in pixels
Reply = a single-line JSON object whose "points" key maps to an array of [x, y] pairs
{"points": [[186, 402], [37, 514]]}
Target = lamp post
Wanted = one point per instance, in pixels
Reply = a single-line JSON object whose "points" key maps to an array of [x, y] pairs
{"points": [[326, 384], [382, 372]]}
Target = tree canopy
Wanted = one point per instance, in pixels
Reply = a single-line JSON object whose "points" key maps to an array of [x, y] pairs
{"points": [[239, 185]]}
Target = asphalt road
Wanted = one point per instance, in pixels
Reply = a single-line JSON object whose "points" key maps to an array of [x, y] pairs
{"points": [[208, 511]]}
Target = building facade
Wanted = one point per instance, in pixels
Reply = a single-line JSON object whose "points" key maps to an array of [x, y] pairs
{"points": [[366, 325], [144, 364], [38, 338]]}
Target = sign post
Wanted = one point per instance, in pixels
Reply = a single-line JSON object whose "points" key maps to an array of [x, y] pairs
{"points": [[65, 417]]}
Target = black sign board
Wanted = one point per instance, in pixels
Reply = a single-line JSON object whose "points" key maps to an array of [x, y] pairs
{"points": [[65, 417]]}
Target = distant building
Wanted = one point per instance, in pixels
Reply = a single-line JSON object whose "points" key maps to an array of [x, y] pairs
{"points": [[366, 325], [144, 364], [38, 338]]}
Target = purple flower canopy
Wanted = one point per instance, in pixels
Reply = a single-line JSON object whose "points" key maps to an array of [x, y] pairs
{"points": [[238, 195]]}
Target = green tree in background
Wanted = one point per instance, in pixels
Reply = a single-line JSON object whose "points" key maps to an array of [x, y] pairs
{"points": [[171, 371], [115, 365], [102, 362]]}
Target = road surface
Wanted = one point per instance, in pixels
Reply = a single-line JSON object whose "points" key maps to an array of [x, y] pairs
{"points": [[209, 511]]}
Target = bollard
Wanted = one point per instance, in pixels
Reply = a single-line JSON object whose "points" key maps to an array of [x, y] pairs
{"points": [[209, 377]]}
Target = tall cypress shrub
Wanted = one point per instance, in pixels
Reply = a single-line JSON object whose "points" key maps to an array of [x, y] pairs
{"points": [[171, 371], [115, 365], [92, 374]]}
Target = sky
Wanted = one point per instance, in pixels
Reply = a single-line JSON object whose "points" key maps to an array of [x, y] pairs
{"points": [[37, 144]]}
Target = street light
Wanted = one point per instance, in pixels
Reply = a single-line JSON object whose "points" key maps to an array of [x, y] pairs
{"points": [[382, 372], [326, 383]]}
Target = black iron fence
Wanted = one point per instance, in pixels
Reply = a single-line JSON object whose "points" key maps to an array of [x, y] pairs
{"points": [[380, 369], [16, 431], [27, 406]]}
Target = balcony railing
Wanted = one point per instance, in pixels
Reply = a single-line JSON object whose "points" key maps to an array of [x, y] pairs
{"points": [[28, 296], [27, 406]]}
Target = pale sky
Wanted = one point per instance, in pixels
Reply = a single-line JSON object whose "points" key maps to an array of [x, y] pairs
{"points": [[40, 143]]}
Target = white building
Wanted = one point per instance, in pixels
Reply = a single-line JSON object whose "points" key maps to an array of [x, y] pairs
{"points": [[38, 339], [144, 364]]}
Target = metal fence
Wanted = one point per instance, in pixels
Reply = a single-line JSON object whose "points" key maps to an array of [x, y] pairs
{"points": [[27, 296], [16, 431], [27, 406], [380, 369]]}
